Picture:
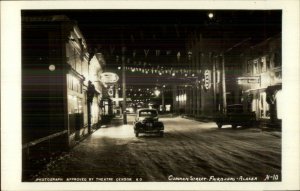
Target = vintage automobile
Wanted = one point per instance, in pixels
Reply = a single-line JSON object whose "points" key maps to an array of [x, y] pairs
{"points": [[146, 121], [235, 116]]}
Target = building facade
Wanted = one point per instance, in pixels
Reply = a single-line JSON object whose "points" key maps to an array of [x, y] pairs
{"points": [[201, 96], [244, 72], [261, 80], [61, 90]]}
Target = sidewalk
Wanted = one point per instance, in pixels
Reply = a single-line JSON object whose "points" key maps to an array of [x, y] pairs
{"points": [[261, 125]]}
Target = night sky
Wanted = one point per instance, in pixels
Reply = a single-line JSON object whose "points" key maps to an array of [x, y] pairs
{"points": [[140, 30], [168, 28]]}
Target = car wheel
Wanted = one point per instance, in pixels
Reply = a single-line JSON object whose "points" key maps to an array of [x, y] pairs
{"points": [[136, 134], [234, 126], [219, 125]]}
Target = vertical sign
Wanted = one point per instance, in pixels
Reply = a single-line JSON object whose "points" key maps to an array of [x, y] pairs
{"points": [[207, 79]]}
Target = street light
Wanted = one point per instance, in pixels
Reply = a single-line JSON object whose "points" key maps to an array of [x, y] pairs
{"points": [[157, 92], [124, 86]]}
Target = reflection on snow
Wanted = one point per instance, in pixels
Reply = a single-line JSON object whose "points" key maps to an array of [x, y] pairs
{"points": [[120, 132]]}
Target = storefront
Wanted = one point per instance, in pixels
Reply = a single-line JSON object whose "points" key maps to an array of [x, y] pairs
{"points": [[76, 104], [274, 99]]}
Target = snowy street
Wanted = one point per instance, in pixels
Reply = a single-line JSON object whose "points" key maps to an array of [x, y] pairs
{"points": [[189, 151]]}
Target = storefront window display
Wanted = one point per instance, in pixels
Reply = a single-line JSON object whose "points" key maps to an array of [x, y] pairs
{"points": [[75, 104], [264, 106], [75, 110]]}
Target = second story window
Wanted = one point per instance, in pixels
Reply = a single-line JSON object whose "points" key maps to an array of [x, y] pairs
{"points": [[74, 84], [277, 59], [249, 66], [255, 66], [263, 64]]}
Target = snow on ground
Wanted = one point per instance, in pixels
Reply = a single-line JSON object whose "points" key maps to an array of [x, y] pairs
{"points": [[189, 148]]}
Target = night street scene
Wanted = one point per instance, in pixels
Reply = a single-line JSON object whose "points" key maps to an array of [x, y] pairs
{"points": [[151, 95]]}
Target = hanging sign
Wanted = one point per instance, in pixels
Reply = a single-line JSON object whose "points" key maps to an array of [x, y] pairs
{"points": [[207, 79], [157, 52], [146, 52], [178, 56], [110, 92], [248, 80], [109, 77], [190, 55]]}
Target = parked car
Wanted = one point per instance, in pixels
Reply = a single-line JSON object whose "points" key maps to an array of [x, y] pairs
{"points": [[236, 117], [146, 121]]}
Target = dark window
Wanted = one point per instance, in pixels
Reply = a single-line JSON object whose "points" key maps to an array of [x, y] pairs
{"points": [[277, 59], [249, 65], [268, 63]]}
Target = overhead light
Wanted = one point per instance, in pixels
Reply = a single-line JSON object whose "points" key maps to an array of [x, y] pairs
{"points": [[210, 15], [52, 67], [119, 67]]}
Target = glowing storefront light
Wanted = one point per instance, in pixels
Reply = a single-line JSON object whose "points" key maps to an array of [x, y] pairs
{"points": [[279, 104], [181, 97], [74, 104]]}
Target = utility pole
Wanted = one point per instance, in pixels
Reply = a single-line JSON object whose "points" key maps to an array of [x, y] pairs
{"points": [[214, 81], [124, 86], [223, 71], [224, 85], [163, 100]]}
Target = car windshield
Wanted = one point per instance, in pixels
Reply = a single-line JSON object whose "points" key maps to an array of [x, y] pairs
{"points": [[148, 113]]}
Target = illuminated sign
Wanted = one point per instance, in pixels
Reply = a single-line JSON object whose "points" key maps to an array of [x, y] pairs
{"points": [[110, 92], [207, 79], [121, 99], [248, 80], [109, 78]]}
